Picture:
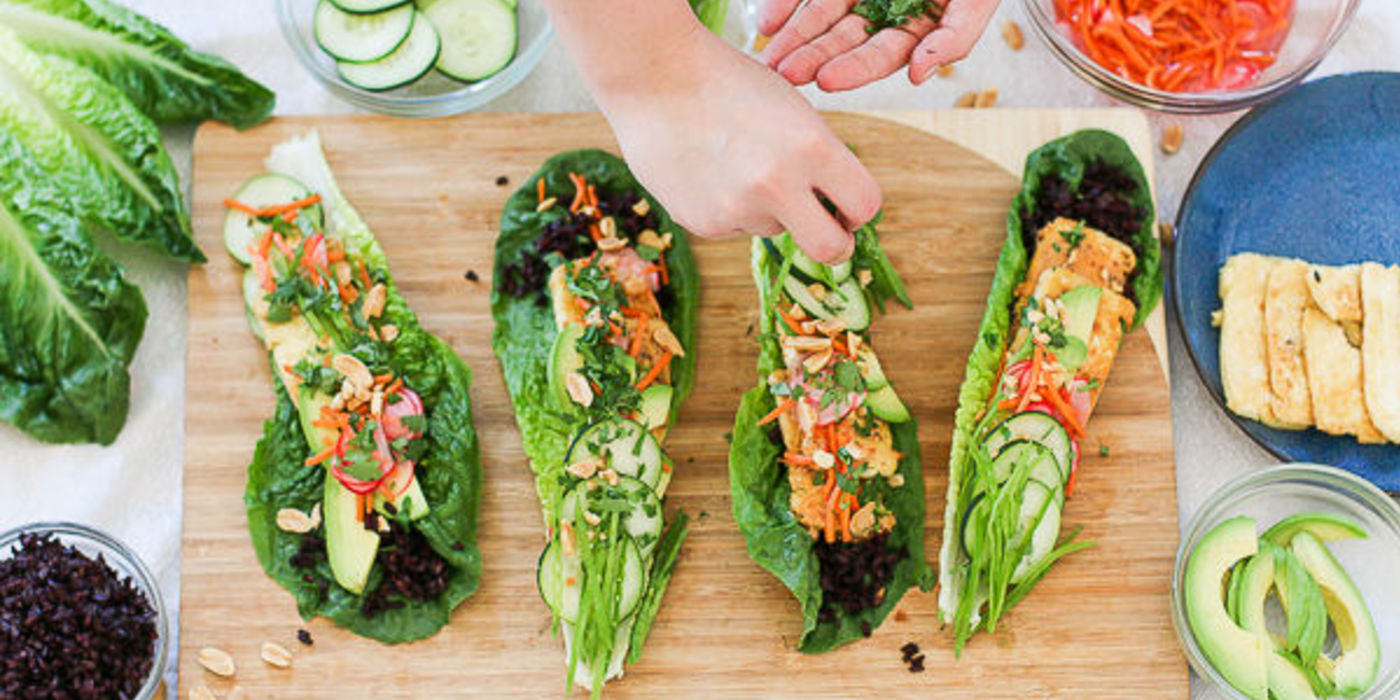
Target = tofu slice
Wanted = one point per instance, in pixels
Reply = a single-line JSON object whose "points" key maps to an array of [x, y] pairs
{"points": [[565, 310], [1114, 317], [1285, 299], [1380, 346], [1336, 291], [1096, 256], [1244, 367], [1334, 379]]}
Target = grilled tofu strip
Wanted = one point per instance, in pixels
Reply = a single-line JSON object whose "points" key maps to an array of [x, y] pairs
{"points": [[1380, 346], [1244, 365], [1286, 297], [1334, 379], [1085, 251]]}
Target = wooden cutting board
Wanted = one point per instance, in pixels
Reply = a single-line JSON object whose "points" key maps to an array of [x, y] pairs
{"points": [[1097, 626]]}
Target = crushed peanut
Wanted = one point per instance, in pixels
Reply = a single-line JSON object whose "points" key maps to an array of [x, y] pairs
{"points": [[355, 372], [295, 521], [374, 301], [966, 100], [216, 661], [642, 207], [547, 204], [1172, 137], [578, 388], [1011, 34], [667, 340], [986, 98], [276, 655], [585, 468]]}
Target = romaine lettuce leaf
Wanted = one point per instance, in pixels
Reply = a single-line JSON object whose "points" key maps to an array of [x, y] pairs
{"points": [[760, 491], [70, 325], [104, 161], [711, 13], [157, 71]]}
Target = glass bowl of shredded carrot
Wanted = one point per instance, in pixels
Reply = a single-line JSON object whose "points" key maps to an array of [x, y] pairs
{"points": [[1191, 56]]}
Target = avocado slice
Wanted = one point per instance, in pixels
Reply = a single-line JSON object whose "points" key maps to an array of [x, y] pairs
{"points": [[350, 548], [656, 406], [1327, 527], [1288, 680], [1256, 581], [1357, 667], [870, 368], [1302, 602], [564, 358], [1081, 306], [1240, 656]]}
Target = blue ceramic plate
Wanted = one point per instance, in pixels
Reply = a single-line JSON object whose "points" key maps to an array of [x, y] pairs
{"points": [[1313, 175]]}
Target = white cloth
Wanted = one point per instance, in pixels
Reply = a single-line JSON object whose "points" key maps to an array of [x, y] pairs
{"points": [[133, 488]]}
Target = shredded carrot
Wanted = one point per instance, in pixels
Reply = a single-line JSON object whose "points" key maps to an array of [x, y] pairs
{"points": [[278, 209], [348, 293], [779, 410], [1069, 484], [1071, 420], [798, 459], [1037, 358], [655, 371], [829, 531], [394, 386], [319, 457], [592, 197], [383, 378], [335, 255], [580, 192], [665, 270], [539, 189], [282, 245], [291, 216], [326, 423], [845, 512], [235, 204], [637, 335], [364, 275], [789, 320]]}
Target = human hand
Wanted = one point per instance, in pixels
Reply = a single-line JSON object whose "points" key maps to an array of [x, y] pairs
{"points": [[825, 41], [730, 148]]}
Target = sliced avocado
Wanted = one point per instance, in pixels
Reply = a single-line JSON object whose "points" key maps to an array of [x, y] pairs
{"points": [[350, 548], [1327, 527], [870, 368], [885, 404], [1356, 669], [656, 406], [410, 501], [1287, 679], [1255, 582], [1234, 588], [1240, 656], [1073, 354], [1081, 306], [564, 358], [1302, 601]]}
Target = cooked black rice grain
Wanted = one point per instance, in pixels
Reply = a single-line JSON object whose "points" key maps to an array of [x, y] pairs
{"points": [[70, 626], [502, 181], [908, 651], [471, 276], [304, 637], [1103, 201], [916, 663], [854, 575], [412, 570], [310, 551]]}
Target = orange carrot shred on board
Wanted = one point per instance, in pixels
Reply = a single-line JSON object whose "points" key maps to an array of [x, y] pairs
{"points": [[772, 415], [655, 371]]}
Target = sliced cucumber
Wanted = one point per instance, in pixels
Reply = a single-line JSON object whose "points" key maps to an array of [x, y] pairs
{"points": [[642, 519], [1042, 463], [560, 578], [846, 302], [361, 7], [656, 406], [258, 192], [478, 36], [254, 303], [804, 268], [409, 62], [885, 404], [361, 37], [1037, 427], [1040, 509], [626, 447]]}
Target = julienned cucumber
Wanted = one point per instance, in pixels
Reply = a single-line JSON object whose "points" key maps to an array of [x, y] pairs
{"points": [[643, 520], [478, 36], [560, 578], [409, 62], [259, 192], [361, 7], [361, 38]]}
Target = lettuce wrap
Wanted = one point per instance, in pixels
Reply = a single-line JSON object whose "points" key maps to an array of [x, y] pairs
{"points": [[759, 481]]}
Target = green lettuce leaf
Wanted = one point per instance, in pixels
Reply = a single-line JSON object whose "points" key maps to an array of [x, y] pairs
{"points": [[525, 333], [711, 13], [104, 160], [71, 324], [154, 68], [1067, 158], [760, 492], [449, 472]]}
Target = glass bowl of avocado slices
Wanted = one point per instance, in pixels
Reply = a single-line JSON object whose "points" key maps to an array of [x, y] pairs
{"points": [[417, 58], [1284, 587]]}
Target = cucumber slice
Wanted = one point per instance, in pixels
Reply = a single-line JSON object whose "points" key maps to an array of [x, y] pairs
{"points": [[1037, 427], [254, 303], [409, 62], [642, 520], [1038, 501], [560, 579], [361, 38], [478, 36], [846, 302], [885, 404], [804, 268], [1042, 464], [625, 445], [656, 406], [262, 191], [361, 7]]}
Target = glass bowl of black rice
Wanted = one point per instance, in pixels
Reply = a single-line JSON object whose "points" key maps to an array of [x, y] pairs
{"points": [[80, 616]]}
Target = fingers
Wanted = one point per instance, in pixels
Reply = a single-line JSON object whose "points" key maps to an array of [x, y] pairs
{"points": [[885, 52], [809, 22], [801, 66], [816, 232], [774, 14], [957, 32], [854, 191]]}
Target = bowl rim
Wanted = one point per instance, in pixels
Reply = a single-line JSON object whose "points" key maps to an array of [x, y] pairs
{"points": [[1175, 289], [526, 60], [70, 533], [1181, 102], [1313, 476]]}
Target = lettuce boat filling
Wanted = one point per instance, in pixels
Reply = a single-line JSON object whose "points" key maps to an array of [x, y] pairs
{"points": [[1079, 269], [824, 466], [594, 302], [363, 492]]}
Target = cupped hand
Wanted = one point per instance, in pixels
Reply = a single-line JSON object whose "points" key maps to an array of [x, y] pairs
{"points": [[730, 148], [823, 40]]}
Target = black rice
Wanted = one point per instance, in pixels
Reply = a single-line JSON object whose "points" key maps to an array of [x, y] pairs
{"points": [[304, 637], [71, 626], [412, 571], [854, 575], [1103, 201]]}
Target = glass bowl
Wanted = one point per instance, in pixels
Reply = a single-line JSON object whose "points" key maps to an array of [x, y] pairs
{"points": [[1317, 24], [122, 560], [433, 95], [1373, 563]]}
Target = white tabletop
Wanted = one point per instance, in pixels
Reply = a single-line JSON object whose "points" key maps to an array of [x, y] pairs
{"points": [[132, 489]]}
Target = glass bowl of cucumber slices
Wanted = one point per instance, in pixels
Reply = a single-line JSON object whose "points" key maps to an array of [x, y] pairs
{"points": [[1284, 586], [417, 58]]}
